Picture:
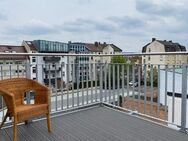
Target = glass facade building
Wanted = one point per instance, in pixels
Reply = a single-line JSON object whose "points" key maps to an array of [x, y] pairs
{"points": [[51, 46]]}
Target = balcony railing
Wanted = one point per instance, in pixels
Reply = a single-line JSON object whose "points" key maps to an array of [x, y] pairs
{"points": [[157, 91]]}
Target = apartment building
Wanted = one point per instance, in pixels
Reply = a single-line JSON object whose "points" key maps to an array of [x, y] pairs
{"points": [[102, 48], [163, 46], [12, 66], [98, 48], [51, 69], [82, 67]]}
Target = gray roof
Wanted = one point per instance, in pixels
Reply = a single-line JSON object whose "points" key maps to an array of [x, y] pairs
{"points": [[98, 47], [169, 46]]}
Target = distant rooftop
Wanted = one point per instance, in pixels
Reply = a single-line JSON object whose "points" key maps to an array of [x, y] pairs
{"points": [[169, 46], [12, 49], [98, 47]]}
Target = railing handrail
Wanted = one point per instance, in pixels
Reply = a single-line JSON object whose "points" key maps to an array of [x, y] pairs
{"points": [[127, 54]]}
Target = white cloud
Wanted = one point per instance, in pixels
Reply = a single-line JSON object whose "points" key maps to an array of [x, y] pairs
{"points": [[129, 24], [33, 27]]}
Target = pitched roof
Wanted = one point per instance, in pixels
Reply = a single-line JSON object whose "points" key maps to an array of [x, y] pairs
{"points": [[98, 47], [145, 47], [94, 47], [169, 46], [172, 47], [12, 49], [31, 45], [116, 48]]}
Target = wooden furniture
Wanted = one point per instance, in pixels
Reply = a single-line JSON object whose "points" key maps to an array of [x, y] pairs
{"points": [[13, 92]]}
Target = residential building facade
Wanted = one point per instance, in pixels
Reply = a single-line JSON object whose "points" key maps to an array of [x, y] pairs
{"points": [[12, 66], [52, 69], [82, 63], [98, 48], [163, 46]]}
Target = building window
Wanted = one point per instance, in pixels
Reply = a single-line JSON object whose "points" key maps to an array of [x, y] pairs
{"points": [[18, 62], [33, 59], [149, 58], [149, 50], [53, 65], [34, 69], [161, 58], [63, 73]]}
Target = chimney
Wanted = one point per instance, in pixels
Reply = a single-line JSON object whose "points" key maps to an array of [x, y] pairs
{"points": [[153, 39], [170, 41], [96, 44]]}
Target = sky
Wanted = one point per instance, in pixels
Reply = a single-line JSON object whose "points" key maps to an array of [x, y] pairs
{"points": [[129, 24]]}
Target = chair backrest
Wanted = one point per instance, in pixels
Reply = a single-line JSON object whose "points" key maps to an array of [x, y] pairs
{"points": [[18, 87]]}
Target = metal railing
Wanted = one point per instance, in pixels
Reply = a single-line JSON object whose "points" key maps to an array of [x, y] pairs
{"points": [[157, 91]]}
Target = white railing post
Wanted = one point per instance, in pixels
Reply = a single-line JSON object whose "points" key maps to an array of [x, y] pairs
{"points": [[184, 98]]}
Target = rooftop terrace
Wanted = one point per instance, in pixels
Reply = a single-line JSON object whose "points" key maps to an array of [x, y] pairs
{"points": [[96, 123], [87, 109]]}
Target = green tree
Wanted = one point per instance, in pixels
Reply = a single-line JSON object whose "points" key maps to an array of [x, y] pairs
{"points": [[155, 77], [119, 61]]}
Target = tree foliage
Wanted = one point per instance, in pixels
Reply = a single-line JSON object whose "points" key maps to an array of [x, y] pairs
{"points": [[118, 62], [155, 77]]}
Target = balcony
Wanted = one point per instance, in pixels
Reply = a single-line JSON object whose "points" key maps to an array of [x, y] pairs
{"points": [[52, 59], [106, 107], [95, 123]]}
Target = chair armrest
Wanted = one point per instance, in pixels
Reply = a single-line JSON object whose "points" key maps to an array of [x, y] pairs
{"points": [[42, 95], [9, 100]]}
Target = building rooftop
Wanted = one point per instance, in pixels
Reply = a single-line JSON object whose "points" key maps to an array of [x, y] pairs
{"points": [[12, 49], [169, 46], [95, 123], [31, 45], [98, 47]]}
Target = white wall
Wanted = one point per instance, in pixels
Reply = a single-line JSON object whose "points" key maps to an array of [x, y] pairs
{"points": [[177, 100]]}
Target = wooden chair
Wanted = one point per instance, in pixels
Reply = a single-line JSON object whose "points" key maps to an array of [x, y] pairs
{"points": [[13, 92]]}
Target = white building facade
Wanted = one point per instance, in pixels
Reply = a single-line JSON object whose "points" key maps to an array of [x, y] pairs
{"points": [[51, 70], [163, 46]]}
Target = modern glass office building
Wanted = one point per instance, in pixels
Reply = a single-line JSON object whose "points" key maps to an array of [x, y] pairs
{"points": [[51, 46]]}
